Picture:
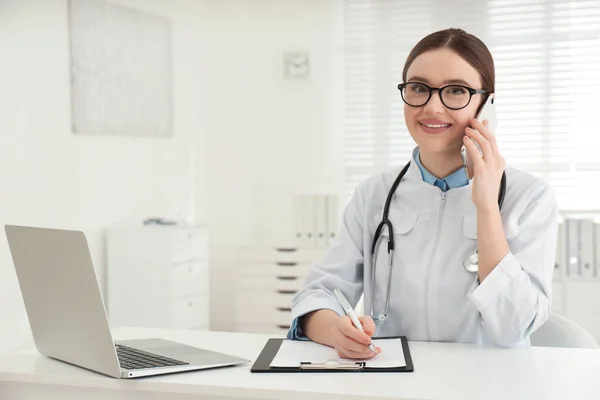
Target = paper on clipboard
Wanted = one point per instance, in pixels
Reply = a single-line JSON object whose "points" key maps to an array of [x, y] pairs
{"points": [[293, 352]]}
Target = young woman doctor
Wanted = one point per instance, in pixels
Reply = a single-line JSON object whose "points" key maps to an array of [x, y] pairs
{"points": [[439, 218]]}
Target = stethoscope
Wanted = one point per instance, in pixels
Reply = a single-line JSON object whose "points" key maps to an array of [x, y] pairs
{"points": [[471, 263]]}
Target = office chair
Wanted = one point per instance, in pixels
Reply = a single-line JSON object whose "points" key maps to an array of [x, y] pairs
{"points": [[559, 331]]}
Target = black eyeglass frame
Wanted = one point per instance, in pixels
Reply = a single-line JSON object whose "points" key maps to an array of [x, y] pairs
{"points": [[471, 91]]}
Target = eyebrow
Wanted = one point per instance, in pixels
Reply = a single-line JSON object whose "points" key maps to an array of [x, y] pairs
{"points": [[449, 81]]}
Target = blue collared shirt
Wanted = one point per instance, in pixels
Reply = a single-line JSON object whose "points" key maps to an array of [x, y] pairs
{"points": [[456, 179]]}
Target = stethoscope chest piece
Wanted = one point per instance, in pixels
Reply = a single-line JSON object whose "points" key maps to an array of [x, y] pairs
{"points": [[471, 263]]}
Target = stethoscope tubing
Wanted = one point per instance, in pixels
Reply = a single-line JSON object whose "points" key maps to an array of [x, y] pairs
{"points": [[471, 263]]}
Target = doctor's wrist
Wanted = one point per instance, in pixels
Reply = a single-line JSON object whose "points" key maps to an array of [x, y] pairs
{"points": [[487, 207], [317, 326]]}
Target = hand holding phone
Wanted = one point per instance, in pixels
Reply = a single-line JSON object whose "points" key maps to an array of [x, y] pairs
{"points": [[486, 112]]}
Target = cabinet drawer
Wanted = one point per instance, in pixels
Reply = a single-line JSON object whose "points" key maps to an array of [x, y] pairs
{"points": [[190, 312], [274, 268], [279, 254], [265, 299], [189, 278], [270, 283], [189, 244], [264, 316], [249, 312]]}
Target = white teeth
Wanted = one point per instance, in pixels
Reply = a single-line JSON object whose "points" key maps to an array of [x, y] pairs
{"points": [[437, 125]]}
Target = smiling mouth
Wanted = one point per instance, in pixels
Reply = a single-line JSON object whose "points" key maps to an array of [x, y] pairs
{"points": [[435, 126]]}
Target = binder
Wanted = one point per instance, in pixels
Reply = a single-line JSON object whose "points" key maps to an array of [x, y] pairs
{"points": [[263, 362], [597, 249], [299, 220], [332, 218], [561, 257], [572, 248], [309, 221], [320, 221], [586, 240]]}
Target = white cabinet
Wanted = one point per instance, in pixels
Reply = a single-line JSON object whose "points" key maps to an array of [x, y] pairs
{"points": [[268, 279], [157, 276]]}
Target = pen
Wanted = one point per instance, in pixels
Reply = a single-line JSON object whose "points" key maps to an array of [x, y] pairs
{"points": [[350, 312]]}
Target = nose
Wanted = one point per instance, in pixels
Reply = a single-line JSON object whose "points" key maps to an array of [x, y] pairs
{"points": [[434, 105]]}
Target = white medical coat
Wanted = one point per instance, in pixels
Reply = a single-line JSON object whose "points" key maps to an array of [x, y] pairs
{"points": [[432, 296]]}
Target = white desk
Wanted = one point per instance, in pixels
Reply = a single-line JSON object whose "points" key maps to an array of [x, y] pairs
{"points": [[442, 371]]}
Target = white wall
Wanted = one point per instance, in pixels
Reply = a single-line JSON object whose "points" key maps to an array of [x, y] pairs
{"points": [[245, 139], [270, 138], [51, 177]]}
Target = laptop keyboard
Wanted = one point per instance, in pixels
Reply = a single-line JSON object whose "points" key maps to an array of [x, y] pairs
{"points": [[131, 358]]}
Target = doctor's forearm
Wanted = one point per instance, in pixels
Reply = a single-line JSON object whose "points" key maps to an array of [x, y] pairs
{"points": [[491, 240]]}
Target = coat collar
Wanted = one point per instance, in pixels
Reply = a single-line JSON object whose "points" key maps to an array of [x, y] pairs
{"points": [[416, 194]]}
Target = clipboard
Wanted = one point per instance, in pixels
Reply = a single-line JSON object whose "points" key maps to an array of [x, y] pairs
{"points": [[263, 362]]}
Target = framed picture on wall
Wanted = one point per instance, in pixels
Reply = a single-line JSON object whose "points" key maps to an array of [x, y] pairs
{"points": [[121, 70]]}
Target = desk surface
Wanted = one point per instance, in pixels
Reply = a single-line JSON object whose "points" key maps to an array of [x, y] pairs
{"points": [[442, 371]]}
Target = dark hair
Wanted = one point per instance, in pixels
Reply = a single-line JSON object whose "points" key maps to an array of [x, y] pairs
{"points": [[467, 46]]}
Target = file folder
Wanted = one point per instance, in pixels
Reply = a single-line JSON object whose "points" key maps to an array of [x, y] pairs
{"points": [[560, 264], [320, 208], [299, 218], [309, 220], [332, 218], [263, 362], [586, 247], [572, 248], [597, 249]]}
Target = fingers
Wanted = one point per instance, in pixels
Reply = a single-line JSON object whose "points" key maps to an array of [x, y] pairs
{"points": [[357, 356], [351, 346], [368, 325], [349, 341], [482, 127], [349, 330], [483, 143], [473, 153], [485, 132]]}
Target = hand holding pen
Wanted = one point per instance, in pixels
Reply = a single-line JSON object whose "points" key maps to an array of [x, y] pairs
{"points": [[352, 334]]}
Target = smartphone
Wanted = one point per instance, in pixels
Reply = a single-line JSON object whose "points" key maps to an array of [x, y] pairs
{"points": [[486, 112]]}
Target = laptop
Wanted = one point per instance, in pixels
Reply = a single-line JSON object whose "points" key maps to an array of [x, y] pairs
{"points": [[67, 315]]}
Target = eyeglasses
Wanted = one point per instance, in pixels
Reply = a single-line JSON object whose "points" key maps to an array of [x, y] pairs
{"points": [[454, 97]]}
